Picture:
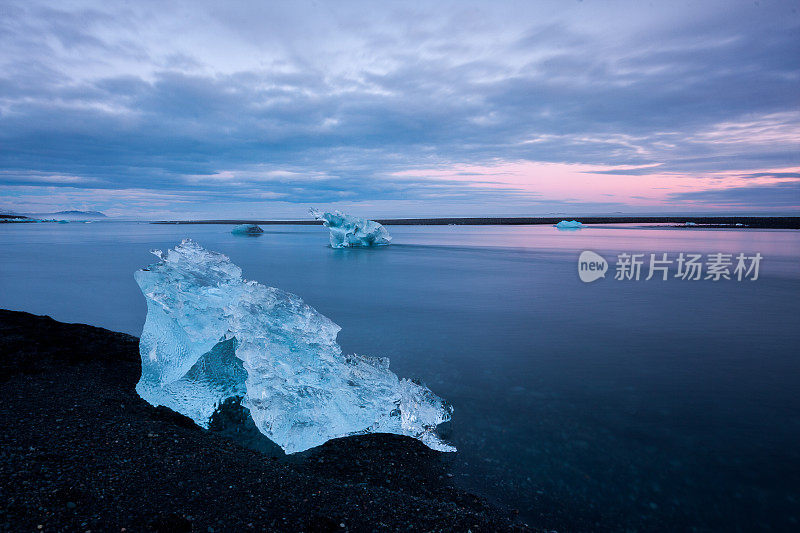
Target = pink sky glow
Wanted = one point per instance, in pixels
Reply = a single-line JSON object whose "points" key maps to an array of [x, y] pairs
{"points": [[583, 183]]}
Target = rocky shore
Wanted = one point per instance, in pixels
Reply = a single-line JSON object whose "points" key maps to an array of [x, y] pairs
{"points": [[80, 451]]}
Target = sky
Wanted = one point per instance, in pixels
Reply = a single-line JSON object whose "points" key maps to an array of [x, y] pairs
{"points": [[262, 109]]}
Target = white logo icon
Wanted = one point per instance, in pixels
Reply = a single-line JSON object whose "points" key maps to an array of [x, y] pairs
{"points": [[591, 266]]}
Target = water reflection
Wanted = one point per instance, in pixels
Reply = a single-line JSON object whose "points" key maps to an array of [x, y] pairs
{"points": [[610, 405]]}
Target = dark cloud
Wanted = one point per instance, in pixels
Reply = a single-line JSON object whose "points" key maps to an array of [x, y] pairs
{"points": [[784, 195], [122, 113], [776, 175]]}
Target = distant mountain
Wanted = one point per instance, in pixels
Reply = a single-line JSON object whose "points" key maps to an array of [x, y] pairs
{"points": [[72, 214], [91, 214]]}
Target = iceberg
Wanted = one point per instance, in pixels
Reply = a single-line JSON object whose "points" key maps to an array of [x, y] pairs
{"points": [[211, 335], [349, 232], [569, 224], [247, 229]]}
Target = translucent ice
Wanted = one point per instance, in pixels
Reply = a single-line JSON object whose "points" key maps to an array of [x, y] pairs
{"points": [[247, 229], [347, 231], [211, 335], [569, 224]]}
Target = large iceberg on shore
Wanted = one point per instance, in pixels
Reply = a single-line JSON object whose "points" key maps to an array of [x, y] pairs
{"points": [[349, 232], [211, 335]]}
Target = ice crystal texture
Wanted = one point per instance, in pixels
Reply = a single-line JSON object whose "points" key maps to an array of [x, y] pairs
{"points": [[211, 335], [347, 231]]}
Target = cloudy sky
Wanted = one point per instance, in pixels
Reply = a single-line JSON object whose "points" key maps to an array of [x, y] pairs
{"points": [[228, 109]]}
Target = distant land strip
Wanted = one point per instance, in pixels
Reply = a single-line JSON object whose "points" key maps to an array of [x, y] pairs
{"points": [[750, 222]]}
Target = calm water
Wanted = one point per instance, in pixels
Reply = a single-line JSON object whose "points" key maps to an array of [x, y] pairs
{"points": [[616, 405]]}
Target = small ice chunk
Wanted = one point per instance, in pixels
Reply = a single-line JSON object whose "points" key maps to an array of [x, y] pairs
{"points": [[247, 229], [348, 232], [211, 335], [569, 224], [690, 223]]}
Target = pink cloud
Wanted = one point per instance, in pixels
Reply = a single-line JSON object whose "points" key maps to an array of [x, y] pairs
{"points": [[595, 183]]}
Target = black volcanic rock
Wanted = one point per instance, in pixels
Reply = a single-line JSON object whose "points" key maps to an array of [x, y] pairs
{"points": [[79, 450]]}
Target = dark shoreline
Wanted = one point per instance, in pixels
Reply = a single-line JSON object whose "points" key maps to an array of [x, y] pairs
{"points": [[706, 221], [80, 450]]}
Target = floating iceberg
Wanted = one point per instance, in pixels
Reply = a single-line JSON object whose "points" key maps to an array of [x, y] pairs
{"points": [[247, 229], [348, 232], [569, 224], [690, 223], [211, 335]]}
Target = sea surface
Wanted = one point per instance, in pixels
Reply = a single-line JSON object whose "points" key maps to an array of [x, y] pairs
{"points": [[617, 405]]}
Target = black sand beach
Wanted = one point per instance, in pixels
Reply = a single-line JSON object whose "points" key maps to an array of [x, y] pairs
{"points": [[80, 451], [712, 221]]}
